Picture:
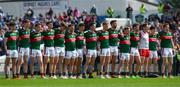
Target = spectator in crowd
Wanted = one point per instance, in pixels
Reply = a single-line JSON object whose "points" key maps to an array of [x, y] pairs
{"points": [[166, 8], [30, 11], [76, 13], [69, 11], [61, 17], [1, 11], [93, 10], [84, 12], [129, 11], [49, 14], [40, 17], [87, 21], [1, 21], [29, 14]]}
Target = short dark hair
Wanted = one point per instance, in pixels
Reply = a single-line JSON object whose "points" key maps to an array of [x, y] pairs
{"points": [[165, 25], [152, 28], [105, 22], [92, 24], [26, 21], [12, 24], [134, 25], [144, 25], [126, 28], [81, 24], [63, 24], [70, 25], [112, 21], [37, 24], [48, 22]]}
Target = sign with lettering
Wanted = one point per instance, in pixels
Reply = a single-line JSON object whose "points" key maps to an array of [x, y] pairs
{"points": [[56, 4]]}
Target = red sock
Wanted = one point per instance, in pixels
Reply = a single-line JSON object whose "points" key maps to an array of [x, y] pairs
{"points": [[42, 74]]}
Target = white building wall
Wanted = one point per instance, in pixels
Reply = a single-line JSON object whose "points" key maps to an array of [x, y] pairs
{"points": [[17, 8]]}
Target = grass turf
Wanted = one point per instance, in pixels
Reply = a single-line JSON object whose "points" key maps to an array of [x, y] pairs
{"points": [[130, 82]]}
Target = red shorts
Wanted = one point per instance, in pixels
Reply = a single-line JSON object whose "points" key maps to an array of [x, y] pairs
{"points": [[145, 53]]}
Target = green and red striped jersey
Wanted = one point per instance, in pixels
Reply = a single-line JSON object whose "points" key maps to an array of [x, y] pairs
{"points": [[153, 42], [134, 38], [113, 37], [70, 41], [80, 40], [91, 40], [24, 38], [124, 43], [11, 40], [103, 39], [166, 38], [48, 37], [35, 39], [59, 38]]}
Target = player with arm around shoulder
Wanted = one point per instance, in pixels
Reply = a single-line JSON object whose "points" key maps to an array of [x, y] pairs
{"points": [[124, 55]]}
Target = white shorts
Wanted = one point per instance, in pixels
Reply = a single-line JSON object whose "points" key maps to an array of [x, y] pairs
{"points": [[105, 52], [35, 53], [59, 51], [166, 52], [49, 52], [91, 53], [153, 55], [124, 56], [71, 54], [12, 53], [23, 52], [80, 53], [114, 50], [134, 51], [42, 46]]}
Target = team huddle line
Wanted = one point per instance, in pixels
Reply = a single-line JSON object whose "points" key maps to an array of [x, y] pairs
{"points": [[63, 50]]}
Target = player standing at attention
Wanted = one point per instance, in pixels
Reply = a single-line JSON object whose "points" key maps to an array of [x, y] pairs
{"points": [[124, 52], [105, 51], [144, 47], [91, 43], [24, 43], [49, 52], [42, 42], [10, 44], [134, 53], [167, 46], [80, 46], [35, 39], [113, 42], [59, 48], [71, 54], [153, 45]]}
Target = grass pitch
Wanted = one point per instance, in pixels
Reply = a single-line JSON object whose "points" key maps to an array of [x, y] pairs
{"points": [[96, 82]]}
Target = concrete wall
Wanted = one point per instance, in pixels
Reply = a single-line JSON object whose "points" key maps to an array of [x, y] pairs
{"points": [[101, 5], [118, 5], [18, 8]]}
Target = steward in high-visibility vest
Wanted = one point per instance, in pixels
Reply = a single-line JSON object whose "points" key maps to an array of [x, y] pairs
{"points": [[110, 12], [142, 9], [160, 8]]}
